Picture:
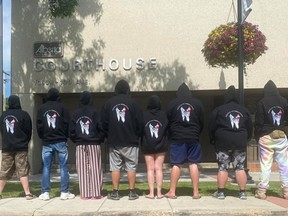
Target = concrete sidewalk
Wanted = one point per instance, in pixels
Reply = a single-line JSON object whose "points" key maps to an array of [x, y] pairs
{"points": [[183, 205]]}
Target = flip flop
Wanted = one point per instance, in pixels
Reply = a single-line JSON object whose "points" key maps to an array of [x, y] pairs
{"points": [[161, 197], [170, 197], [30, 196], [196, 197], [148, 197], [96, 198]]}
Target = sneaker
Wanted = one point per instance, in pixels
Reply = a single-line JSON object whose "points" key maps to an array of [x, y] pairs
{"points": [[133, 195], [218, 195], [113, 195], [243, 195], [260, 193], [65, 196], [44, 196], [285, 193]]}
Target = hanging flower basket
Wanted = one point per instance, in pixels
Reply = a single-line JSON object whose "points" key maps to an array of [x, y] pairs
{"points": [[221, 47]]}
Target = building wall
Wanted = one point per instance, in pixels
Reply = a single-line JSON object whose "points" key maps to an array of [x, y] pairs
{"points": [[167, 32]]}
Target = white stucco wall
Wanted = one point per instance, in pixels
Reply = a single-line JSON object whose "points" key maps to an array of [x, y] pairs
{"points": [[164, 29]]}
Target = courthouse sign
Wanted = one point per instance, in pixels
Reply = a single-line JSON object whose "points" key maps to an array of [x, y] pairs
{"points": [[48, 50]]}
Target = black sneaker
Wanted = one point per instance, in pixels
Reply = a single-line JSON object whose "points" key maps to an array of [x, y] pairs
{"points": [[114, 195], [218, 195], [133, 195], [243, 195]]}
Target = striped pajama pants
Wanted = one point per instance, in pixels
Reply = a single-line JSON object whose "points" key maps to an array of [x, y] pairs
{"points": [[273, 149], [89, 169]]}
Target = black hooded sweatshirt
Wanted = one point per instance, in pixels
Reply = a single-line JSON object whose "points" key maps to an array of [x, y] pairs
{"points": [[271, 111], [155, 128], [185, 117], [53, 119], [230, 126], [122, 118], [85, 123], [16, 127]]}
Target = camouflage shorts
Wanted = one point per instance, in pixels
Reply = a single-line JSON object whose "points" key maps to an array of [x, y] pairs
{"points": [[236, 157], [14, 161]]}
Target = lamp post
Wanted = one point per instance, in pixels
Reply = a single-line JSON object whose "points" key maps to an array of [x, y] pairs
{"points": [[1, 57], [243, 11], [240, 54]]}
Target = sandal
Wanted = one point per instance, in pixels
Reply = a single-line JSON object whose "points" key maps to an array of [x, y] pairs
{"points": [[96, 197], [160, 197], [197, 197], [149, 197], [30, 196], [170, 197]]}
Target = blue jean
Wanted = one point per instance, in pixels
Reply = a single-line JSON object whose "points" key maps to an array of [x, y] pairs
{"points": [[47, 153]]}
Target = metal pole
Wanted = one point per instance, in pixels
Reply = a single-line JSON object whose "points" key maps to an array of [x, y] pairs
{"points": [[1, 72], [241, 75], [240, 54], [1, 57]]}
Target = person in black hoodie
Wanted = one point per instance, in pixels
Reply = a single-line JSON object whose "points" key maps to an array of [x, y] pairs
{"points": [[270, 121], [16, 130], [52, 123], [154, 144], [85, 131], [185, 122], [230, 130], [122, 121]]}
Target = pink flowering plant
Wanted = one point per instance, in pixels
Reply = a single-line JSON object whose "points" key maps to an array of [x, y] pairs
{"points": [[221, 47]]}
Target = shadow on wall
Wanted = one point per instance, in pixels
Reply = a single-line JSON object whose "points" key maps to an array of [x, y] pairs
{"points": [[69, 31], [164, 78], [222, 82]]}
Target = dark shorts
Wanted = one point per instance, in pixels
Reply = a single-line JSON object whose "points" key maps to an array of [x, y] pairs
{"points": [[236, 157], [185, 153], [14, 161]]}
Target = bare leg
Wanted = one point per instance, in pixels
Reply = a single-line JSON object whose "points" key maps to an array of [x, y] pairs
{"points": [[150, 174], [25, 184], [115, 179], [194, 175], [222, 178], [159, 160], [131, 179], [241, 178], [2, 185], [174, 177]]}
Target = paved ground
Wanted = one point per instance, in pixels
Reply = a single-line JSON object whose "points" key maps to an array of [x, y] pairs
{"points": [[183, 205]]}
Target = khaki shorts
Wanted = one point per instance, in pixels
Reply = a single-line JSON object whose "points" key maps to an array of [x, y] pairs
{"points": [[123, 155], [14, 161]]}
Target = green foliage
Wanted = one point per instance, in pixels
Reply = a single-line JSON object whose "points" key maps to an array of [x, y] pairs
{"points": [[62, 8]]}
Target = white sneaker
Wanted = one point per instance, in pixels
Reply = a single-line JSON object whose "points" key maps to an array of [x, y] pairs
{"points": [[65, 196], [44, 196]]}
